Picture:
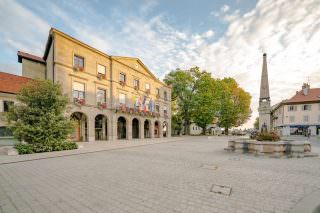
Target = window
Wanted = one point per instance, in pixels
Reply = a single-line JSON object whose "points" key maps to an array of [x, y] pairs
{"points": [[7, 105], [5, 132], [78, 90], [101, 69], [78, 61], [306, 107], [158, 91], [136, 83], [122, 98], [165, 111], [122, 77], [306, 118], [165, 96], [101, 95], [292, 108], [157, 108], [291, 119], [147, 86]]}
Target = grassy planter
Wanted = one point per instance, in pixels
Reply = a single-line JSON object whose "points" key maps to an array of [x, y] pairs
{"points": [[48, 147]]}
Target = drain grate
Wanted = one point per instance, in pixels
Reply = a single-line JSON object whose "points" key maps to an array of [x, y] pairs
{"points": [[209, 166], [220, 189]]}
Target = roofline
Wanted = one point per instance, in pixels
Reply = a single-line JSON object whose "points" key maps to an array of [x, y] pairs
{"points": [[283, 103], [20, 57], [16, 75], [144, 66]]}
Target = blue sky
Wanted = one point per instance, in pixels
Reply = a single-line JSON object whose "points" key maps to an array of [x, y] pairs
{"points": [[226, 38]]}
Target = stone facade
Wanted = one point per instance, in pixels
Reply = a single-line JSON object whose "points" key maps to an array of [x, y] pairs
{"points": [[111, 97]]}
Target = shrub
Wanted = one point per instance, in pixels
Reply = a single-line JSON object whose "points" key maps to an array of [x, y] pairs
{"points": [[24, 149], [48, 147], [268, 136]]}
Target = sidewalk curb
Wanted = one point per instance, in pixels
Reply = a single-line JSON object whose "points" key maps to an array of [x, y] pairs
{"points": [[85, 152]]}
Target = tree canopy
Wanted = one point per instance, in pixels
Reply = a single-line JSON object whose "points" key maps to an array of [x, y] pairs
{"points": [[38, 117], [200, 98]]}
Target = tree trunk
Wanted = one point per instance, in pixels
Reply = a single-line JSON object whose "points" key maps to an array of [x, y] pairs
{"points": [[204, 129], [226, 130]]}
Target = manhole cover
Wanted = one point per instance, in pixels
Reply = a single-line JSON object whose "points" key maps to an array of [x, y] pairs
{"points": [[209, 166], [220, 189]]}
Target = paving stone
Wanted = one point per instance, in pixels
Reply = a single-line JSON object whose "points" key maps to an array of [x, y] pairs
{"points": [[164, 177]]}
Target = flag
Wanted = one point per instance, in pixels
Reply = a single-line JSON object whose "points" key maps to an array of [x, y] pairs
{"points": [[150, 105]]}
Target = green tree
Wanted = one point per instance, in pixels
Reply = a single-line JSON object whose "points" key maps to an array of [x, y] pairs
{"points": [[205, 104], [256, 123], [234, 104], [183, 89], [38, 118]]}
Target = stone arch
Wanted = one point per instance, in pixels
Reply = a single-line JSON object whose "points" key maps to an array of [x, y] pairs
{"points": [[122, 127], [165, 129], [157, 129], [80, 132], [101, 127], [147, 128], [135, 128]]}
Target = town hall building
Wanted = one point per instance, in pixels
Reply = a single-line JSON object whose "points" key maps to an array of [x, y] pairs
{"points": [[111, 97]]}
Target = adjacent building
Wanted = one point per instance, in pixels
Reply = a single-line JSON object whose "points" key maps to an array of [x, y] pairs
{"points": [[111, 97], [10, 85], [298, 115]]}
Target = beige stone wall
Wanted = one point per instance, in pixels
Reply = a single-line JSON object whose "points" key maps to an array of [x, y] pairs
{"points": [[33, 69], [64, 50]]}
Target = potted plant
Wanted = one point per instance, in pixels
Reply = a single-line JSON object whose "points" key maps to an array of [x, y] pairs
{"points": [[102, 105]]}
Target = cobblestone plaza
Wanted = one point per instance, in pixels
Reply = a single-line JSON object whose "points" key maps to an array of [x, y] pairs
{"points": [[166, 177]]}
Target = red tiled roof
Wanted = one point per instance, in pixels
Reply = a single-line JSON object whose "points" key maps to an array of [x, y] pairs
{"points": [[313, 96], [10, 83], [30, 57]]}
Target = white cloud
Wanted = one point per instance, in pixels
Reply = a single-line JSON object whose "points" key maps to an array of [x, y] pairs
{"points": [[225, 8], [208, 34], [289, 31], [21, 29]]}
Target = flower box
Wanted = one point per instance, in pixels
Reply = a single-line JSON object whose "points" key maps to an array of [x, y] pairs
{"points": [[78, 69], [122, 83], [102, 105], [79, 101]]}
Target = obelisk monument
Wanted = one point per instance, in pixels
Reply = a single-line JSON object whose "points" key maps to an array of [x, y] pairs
{"points": [[264, 100]]}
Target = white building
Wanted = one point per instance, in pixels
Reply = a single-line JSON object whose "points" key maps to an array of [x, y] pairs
{"points": [[298, 115]]}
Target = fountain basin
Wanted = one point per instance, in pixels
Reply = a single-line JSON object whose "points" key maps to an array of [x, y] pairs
{"points": [[288, 148]]}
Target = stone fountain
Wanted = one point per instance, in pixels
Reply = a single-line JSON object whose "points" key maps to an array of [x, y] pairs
{"points": [[280, 148]]}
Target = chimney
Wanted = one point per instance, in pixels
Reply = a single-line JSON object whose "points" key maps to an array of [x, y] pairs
{"points": [[305, 88]]}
